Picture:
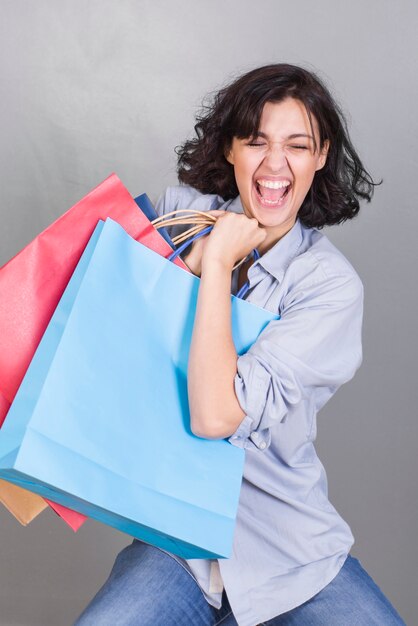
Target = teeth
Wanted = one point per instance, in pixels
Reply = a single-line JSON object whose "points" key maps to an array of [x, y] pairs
{"points": [[271, 201], [273, 184]]}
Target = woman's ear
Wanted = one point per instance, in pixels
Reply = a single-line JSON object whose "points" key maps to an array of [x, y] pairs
{"points": [[229, 155], [322, 159]]}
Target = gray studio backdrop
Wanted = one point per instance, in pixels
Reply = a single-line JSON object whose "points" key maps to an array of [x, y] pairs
{"points": [[91, 87]]}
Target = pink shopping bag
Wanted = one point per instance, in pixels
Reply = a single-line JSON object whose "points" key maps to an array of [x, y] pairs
{"points": [[32, 282]]}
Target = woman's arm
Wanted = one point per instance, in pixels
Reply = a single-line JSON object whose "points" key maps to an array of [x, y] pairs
{"points": [[214, 408]]}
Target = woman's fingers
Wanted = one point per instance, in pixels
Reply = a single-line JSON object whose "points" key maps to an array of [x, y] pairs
{"points": [[194, 259], [232, 238]]}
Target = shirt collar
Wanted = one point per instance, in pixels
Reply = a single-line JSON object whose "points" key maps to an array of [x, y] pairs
{"points": [[276, 260]]}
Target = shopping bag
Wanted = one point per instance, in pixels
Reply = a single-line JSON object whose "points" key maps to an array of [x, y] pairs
{"points": [[32, 283], [23, 504], [148, 210], [4, 407], [101, 420]]}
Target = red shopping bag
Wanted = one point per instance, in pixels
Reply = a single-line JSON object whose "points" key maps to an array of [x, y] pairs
{"points": [[31, 285]]}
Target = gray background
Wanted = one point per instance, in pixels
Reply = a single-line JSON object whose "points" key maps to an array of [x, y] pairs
{"points": [[91, 87]]}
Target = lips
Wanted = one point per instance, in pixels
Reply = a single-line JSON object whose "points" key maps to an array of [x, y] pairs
{"points": [[272, 192]]}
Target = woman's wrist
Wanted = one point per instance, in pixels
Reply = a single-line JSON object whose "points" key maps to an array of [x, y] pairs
{"points": [[216, 265]]}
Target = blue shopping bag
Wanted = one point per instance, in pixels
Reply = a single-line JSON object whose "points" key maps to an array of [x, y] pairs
{"points": [[149, 211], [101, 422]]}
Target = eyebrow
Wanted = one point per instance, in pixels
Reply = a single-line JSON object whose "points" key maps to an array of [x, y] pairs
{"points": [[293, 136]]}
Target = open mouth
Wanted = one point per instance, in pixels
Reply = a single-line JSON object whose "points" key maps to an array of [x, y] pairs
{"points": [[272, 193]]}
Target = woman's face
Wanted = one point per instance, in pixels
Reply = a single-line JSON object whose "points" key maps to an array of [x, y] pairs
{"points": [[275, 169]]}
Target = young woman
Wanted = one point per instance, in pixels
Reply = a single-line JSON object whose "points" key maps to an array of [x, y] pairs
{"points": [[273, 158]]}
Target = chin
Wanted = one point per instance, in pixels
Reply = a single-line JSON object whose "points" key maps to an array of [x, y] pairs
{"points": [[271, 218]]}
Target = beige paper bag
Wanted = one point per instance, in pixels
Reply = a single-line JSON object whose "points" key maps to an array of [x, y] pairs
{"points": [[24, 505]]}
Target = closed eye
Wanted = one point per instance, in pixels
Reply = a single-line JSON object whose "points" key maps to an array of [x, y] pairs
{"points": [[299, 147]]}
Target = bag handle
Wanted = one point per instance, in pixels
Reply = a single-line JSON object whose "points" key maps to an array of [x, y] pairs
{"points": [[256, 255], [198, 219], [202, 225], [246, 286], [187, 243]]}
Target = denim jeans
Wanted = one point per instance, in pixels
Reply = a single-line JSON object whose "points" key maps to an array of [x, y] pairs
{"points": [[147, 587]]}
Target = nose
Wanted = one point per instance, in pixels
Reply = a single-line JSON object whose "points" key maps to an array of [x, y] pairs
{"points": [[275, 158]]}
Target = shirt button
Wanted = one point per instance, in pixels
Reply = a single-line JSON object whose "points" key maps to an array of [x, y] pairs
{"points": [[263, 445], [255, 436]]}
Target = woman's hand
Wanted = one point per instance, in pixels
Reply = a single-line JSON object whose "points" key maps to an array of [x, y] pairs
{"points": [[233, 237]]}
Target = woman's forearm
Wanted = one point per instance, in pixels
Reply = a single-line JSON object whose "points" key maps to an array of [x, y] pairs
{"points": [[214, 408]]}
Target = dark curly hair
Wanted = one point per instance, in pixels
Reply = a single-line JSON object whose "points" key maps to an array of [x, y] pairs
{"points": [[236, 111]]}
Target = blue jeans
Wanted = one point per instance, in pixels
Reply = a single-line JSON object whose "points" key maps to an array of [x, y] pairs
{"points": [[147, 587]]}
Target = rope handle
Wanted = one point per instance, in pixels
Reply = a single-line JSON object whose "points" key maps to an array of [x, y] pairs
{"points": [[198, 219], [191, 212], [202, 224]]}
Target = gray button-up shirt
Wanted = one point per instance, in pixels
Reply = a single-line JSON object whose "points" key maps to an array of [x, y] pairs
{"points": [[289, 540]]}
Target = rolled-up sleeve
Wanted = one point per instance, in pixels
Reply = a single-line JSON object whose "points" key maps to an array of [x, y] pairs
{"points": [[302, 358]]}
